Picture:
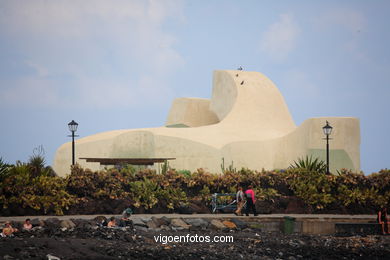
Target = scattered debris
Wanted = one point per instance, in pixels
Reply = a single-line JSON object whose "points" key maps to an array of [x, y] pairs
{"points": [[87, 240]]}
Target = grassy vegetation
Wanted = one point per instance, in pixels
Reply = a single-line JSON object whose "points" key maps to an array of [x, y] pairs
{"points": [[34, 186]]}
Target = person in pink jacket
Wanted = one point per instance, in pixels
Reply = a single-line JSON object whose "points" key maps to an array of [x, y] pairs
{"points": [[250, 201]]}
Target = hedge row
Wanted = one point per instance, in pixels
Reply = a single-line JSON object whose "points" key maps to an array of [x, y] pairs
{"points": [[27, 191]]}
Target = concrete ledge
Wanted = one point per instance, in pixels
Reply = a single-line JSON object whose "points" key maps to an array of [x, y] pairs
{"points": [[318, 227], [307, 224], [351, 229]]}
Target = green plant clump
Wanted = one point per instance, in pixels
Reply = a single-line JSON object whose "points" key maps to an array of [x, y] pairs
{"points": [[309, 164]]}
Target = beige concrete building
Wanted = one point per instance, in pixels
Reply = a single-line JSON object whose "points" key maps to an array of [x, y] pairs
{"points": [[246, 122]]}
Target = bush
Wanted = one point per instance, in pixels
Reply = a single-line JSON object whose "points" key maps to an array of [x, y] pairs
{"points": [[32, 186], [41, 193], [312, 187], [309, 164]]}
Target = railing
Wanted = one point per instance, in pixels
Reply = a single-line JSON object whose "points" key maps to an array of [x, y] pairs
{"points": [[215, 205]]}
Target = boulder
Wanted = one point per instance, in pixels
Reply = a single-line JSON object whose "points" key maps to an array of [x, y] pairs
{"points": [[239, 224], [179, 224], [146, 219], [151, 224], [100, 219], [52, 222], [192, 208], [197, 223], [166, 219], [166, 228], [141, 228], [139, 222], [17, 224], [229, 224], [201, 207], [216, 224], [67, 224], [83, 223], [160, 221], [37, 222]]}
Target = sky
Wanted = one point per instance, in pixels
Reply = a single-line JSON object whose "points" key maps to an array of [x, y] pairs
{"points": [[119, 64]]}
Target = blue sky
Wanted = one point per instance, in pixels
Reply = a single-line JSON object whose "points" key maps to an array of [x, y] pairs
{"points": [[119, 64]]}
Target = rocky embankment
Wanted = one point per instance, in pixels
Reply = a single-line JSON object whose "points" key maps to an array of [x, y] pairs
{"points": [[86, 239]]}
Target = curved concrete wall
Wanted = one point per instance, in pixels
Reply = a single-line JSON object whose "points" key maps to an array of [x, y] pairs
{"points": [[191, 112], [246, 121]]}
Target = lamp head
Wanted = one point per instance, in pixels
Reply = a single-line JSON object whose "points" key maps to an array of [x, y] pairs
{"points": [[327, 129], [73, 126]]}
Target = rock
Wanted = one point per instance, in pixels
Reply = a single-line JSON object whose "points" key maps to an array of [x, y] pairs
{"points": [[167, 220], [37, 228], [229, 224], [151, 224], [192, 208], [52, 222], [139, 222], [178, 228], [239, 224], [37, 222], [179, 223], [141, 228], [197, 223], [17, 224], [67, 224], [201, 207], [146, 219], [100, 219], [52, 257], [164, 227], [82, 223], [216, 224], [160, 221]]}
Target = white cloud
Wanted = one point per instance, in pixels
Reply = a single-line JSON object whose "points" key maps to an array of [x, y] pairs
{"points": [[280, 38], [100, 50]]}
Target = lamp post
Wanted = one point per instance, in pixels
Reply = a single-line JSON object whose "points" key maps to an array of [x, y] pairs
{"points": [[73, 128], [327, 131]]}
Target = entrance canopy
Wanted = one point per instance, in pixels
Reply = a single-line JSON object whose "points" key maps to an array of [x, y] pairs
{"points": [[132, 161]]}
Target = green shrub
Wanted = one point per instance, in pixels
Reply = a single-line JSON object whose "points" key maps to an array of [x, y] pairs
{"points": [[42, 192], [4, 169], [312, 187], [171, 197], [31, 185], [309, 164], [144, 193]]}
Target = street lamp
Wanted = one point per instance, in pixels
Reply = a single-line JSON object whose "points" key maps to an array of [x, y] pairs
{"points": [[327, 131], [73, 128]]}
